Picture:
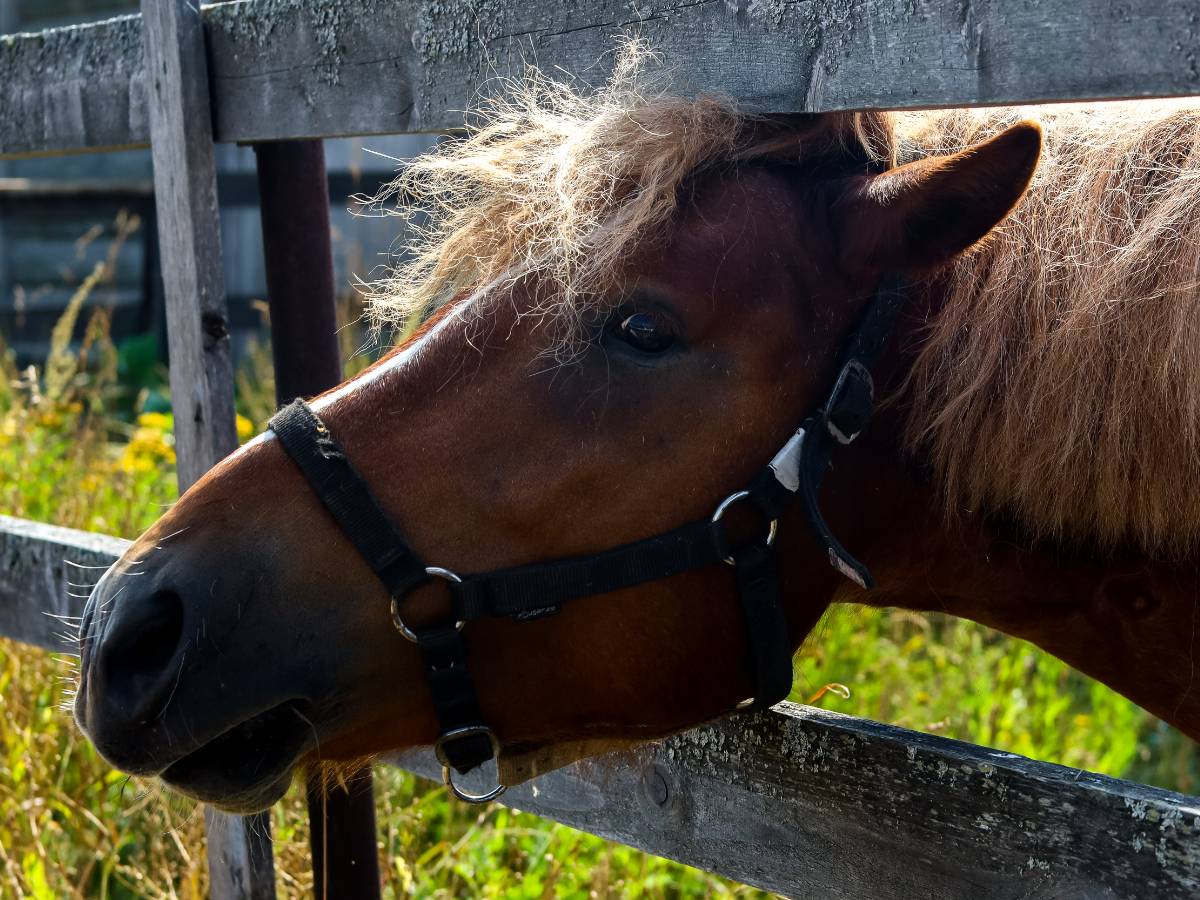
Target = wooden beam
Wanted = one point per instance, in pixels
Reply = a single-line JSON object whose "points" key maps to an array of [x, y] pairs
{"points": [[201, 367], [189, 233], [811, 803], [46, 573], [241, 865], [284, 71], [70, 89]]}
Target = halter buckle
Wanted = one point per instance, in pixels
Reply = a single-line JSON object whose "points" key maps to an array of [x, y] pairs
{"points": [[439, 751], [719, 513], [848, 409], [398, 621]]}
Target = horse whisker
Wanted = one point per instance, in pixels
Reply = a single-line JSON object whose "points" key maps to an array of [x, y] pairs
{"points": [[174, 687], [161, 541], [383, 155], [62, 617], [316, 737]]}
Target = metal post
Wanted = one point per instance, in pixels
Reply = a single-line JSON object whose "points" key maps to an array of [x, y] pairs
{"points": [[343, 838], [293, 191], [299, 261]]}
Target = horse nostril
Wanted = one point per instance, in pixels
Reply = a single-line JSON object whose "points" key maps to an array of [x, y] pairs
{"points": [[135, 658]]}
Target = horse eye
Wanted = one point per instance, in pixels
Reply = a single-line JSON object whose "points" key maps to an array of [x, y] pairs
{"points": [[646, 332]]}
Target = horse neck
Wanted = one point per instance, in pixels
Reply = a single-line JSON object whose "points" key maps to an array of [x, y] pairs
{"points": [[1055, 372], [1120, 615]]}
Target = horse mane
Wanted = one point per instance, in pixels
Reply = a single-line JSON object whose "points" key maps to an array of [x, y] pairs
{"points": [[1058, 382], [561, 185]]}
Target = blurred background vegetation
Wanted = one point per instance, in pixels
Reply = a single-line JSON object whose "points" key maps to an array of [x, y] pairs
{"points": [[86, 441]]}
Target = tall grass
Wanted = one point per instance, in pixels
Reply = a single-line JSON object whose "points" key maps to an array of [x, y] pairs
{"points": [[76, 449]]}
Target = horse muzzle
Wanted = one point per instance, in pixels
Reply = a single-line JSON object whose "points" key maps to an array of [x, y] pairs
{"points": [[169, 688]]}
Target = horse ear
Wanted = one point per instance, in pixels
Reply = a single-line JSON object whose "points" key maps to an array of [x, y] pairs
{"points": [[921, 215]]}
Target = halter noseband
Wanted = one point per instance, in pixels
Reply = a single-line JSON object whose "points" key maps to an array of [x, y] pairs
{"points": [[530, 592]]}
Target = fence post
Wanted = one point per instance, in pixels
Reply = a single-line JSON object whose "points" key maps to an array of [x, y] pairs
{"points": [[201, 367], [294, 198]]}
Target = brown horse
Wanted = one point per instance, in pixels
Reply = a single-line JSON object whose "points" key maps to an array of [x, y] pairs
{"points": [[640, 297]]}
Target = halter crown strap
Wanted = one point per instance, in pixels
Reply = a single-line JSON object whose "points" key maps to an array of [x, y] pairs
{"points": [[798, 469]]}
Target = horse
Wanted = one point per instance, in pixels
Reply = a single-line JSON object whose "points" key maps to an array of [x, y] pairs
{"points": [[631, 300]]}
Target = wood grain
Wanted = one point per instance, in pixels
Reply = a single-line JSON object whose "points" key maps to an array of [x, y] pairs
{"points": [[241, 865], [285, 69], [189, 234], [46, 572], [72, 89]]}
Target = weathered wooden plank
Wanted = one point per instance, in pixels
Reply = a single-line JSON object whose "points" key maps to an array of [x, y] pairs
{"points": [[816, 804], [46, 573], [240, 861], [292, 69], [201, 367], [70, 89], [811, 803], [416, 65], [189, 234]]}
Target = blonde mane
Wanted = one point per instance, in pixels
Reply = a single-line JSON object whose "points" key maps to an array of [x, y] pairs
{"points": [[1059, 383], [562, 185]]}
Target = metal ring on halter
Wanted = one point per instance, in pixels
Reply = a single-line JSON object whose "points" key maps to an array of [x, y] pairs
{"points": [[435, 572], [448, 773], [733, 498]]}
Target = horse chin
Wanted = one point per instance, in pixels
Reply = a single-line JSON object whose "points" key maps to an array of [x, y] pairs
{"points": [[256, 799], [247, 768]]}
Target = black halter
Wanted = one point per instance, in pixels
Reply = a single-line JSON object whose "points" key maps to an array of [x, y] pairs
{"points": [[530, 592]]}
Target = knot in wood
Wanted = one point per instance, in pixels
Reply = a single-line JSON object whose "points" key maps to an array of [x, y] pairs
{"points": [[656, 784]]}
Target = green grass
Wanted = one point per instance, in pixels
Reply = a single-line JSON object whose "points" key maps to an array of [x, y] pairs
{"points": [[74, 450]]}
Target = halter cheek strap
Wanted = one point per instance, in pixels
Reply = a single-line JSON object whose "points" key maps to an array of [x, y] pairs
{"points": [[465, 742], [526, 593]]}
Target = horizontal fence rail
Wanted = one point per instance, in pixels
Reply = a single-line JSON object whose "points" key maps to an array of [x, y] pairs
{"points": [[284, 70], [45, 574], [795, 799]]}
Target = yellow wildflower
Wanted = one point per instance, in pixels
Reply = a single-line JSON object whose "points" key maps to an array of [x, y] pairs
{"points": [[161, 421], [150, 445], [245, 428]]}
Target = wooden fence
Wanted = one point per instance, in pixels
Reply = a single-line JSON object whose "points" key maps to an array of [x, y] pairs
{"points": [[796, 800]]}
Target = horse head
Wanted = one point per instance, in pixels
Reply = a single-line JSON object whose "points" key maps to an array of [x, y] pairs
{"points": [[637, 310]]}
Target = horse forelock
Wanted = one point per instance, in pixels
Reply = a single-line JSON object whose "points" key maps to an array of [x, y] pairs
{"points": [[1058, 380], [564, 184]]}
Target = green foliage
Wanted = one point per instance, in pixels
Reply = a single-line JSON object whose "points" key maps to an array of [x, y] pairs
{"points": [[948, 676], [71, 827]]}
